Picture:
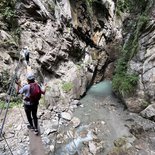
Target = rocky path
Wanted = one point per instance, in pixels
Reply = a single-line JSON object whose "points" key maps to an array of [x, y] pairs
{"points": [[98, 126], [36, 146]]}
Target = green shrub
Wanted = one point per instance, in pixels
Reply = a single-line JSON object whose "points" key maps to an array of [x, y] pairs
{"points": [[4, 80], [2, 104], [137, 6], [9, 18], [67, 86], [12, 104], [121, 6], [124, 82], [7, 10]]}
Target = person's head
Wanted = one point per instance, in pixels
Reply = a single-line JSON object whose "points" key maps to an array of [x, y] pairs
{"points": [[30, 78], [25, 47]]}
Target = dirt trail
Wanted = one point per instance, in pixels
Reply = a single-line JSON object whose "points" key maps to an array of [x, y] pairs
{"points": [[36, 146]]}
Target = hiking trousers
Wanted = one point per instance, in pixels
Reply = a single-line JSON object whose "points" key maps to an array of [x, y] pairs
{"points": [[31, 113]]}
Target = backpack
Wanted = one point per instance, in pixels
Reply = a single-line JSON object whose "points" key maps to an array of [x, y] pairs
{"points": [[35, 92]]}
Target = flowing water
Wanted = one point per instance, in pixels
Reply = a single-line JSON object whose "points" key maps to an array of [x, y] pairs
{"points": [[101, 107], [102, 115]]}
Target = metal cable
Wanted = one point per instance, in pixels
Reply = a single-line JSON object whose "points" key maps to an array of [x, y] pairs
{"points": [[7, 145], [8, 103], [10, 92]]}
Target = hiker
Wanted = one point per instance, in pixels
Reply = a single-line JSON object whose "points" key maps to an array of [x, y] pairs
{"points": [[31, 102], [25, 55]]}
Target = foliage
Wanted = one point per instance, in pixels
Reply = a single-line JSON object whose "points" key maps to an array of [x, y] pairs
{"points": [[4, 80], [7, 10], [131, 6], [90, 1], [122, 6], [67, 86], [9, 18], [3, 105], [16, 35], [124, 82], [15, 104], [9, 42], [51, 5]]}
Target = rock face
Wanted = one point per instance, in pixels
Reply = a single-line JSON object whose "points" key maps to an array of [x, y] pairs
{"points": [[143, 64], [73, 44], [66, 47], [67, 51]]}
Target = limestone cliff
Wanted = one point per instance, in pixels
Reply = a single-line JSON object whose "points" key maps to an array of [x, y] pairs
{"points": [[74, 44], [71, 44]]}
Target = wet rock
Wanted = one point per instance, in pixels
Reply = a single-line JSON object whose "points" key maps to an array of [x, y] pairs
{"points": [[120, 142], [50, 126], [75, 121], [109, 71], [61, 138], [52, 148], [49, 131], [149, 112], [66, 116], [60, 108], [46, 140], [75, 102], [134, 104], [92, 148], [142, 152]]}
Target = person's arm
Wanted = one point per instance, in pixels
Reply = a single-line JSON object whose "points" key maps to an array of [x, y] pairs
{"points": [[18, 86], [43, 89]]}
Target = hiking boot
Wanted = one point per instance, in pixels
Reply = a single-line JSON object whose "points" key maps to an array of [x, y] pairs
{"points": [[30, 127], [36, 132]]}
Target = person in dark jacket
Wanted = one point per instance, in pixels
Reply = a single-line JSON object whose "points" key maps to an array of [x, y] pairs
{"points": [[30, 108]]}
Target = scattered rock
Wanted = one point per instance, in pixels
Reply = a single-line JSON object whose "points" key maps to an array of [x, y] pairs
{"points": [[49, 131], [66, 116], [47, 114], [75, 102], [52, 148], [92, 148], [149, 112], [2, 96], [75, 121], [46, 140]]}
